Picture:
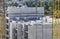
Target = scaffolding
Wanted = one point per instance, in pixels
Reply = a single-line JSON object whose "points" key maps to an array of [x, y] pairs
{"points": [[56, 19], [2, 21]]}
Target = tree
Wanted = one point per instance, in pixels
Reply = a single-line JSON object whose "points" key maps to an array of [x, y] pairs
{"points": [[36, 4], [48, 7]]}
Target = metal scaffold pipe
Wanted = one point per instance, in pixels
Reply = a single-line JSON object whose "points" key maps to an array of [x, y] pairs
{"points": [[2, 21], [56, 20]]}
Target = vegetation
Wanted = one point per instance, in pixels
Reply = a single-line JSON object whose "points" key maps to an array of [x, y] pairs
{"points": [[48, 8], [32, 4], [13, 4]]}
